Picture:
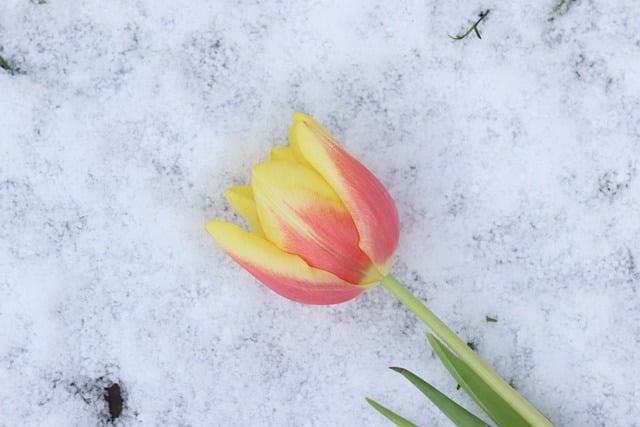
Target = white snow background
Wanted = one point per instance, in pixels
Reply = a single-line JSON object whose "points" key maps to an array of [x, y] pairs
{"points": [[513, 160]]}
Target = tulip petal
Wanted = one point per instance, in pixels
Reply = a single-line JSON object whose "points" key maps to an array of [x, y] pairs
{"points": [[282, 153], [300, 213], [241, 198], [284, 273], [370, 205]]}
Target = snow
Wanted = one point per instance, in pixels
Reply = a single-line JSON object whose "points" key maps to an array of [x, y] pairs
{"points": [[513, 160]]}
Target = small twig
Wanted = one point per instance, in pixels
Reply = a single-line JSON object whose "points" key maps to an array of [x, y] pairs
{"points": [[474, 27], [5, 66]]}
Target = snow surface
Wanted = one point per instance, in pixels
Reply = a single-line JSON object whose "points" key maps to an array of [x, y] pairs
{"points": [[513, 161]]}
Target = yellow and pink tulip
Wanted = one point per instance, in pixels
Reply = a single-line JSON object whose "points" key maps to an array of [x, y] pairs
{"points": [[323, 228]]}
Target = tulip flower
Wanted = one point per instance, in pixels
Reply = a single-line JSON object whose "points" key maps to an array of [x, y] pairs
{"points": [[322, 229]]}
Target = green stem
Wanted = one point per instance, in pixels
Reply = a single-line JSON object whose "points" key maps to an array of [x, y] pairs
{"points": [[462, 350]]}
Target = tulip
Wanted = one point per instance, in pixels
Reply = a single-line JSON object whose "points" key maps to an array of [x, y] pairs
{"points": [[323, 228]]}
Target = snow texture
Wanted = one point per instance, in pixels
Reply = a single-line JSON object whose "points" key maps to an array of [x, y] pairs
{"points": [[513, 159]]}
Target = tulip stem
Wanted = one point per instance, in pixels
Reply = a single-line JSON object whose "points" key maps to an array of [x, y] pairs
{"points": [[465, 353]]}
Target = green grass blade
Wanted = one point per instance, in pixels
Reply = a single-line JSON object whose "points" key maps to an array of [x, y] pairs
{"points": [[392, 416], [490, 402], [5, 66], [456, 413]]}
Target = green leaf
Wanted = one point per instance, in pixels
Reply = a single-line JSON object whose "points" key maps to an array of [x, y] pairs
{"points": [[490, 402], [5, 66], [392, 416], [559, 5], [456, 413]]}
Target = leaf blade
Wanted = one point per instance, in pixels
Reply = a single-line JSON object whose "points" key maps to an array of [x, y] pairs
{"points": [[390, 415], [456, 413], [491, 403]]}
